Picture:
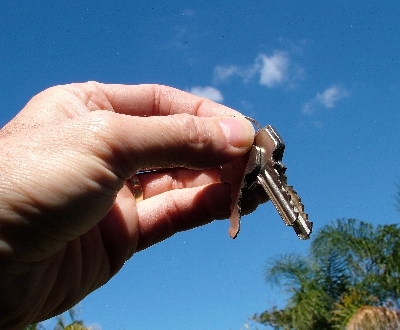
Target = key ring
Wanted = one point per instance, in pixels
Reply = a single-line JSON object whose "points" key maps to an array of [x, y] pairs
{"points": [[253, 121]]}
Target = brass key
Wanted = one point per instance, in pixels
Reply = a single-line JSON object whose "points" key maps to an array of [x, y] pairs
{"points": [[269, 172]]}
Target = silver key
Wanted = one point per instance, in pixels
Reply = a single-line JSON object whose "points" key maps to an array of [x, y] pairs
{"points": [[269, 172]]}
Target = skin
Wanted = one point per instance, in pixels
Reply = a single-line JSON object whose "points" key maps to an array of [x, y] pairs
{"points": [[68, 221]]}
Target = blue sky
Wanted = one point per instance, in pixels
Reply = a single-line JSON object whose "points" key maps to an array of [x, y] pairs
{"points": [[326, 75]]}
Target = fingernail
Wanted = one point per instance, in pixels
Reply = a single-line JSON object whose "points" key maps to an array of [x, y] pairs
{"points": [[238, 131]]}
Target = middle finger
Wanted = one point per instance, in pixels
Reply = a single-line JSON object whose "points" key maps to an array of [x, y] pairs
{"points": [[159, 181]]}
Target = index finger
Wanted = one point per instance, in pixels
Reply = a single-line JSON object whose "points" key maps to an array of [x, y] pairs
{"points": [[159, 100]]}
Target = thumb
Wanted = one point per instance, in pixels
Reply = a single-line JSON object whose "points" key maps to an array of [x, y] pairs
{"points": [[179, 140]]}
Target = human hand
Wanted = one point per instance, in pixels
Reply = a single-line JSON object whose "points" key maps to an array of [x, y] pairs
{"points": [[68, 220]]}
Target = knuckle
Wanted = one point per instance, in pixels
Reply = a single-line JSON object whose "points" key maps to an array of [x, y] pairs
{"points": [[97, 129], [101, 122], [195, 133]]}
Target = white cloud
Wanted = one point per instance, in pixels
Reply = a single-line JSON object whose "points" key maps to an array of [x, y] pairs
{"points": [[331, 95], [222, 73], [327, 99], [272, 70], [208, 92]]}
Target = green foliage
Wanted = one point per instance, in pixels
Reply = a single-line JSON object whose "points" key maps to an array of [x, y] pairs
{"points": [[351, 264], [306, 307], [76, 325], [34, 327], [348, 304], [61, 324]]}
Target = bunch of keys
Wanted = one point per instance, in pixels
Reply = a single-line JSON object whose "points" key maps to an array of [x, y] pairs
{"points": [[264, 168]]}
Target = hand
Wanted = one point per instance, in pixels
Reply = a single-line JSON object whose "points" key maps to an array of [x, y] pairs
{"points": [[68, 220]]}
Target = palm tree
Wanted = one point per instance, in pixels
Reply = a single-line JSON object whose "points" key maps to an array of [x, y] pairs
{"points": [[368, 256], [351, 264], [307, 305], [76, 325], [61, 324], [35, 326]]}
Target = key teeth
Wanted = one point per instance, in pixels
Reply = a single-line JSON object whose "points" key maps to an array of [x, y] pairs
{"points": [[301, 225], [294, 198], [294, 194]]}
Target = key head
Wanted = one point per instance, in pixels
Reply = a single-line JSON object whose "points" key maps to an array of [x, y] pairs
{"points": [[271, 147], [269, 140]]}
